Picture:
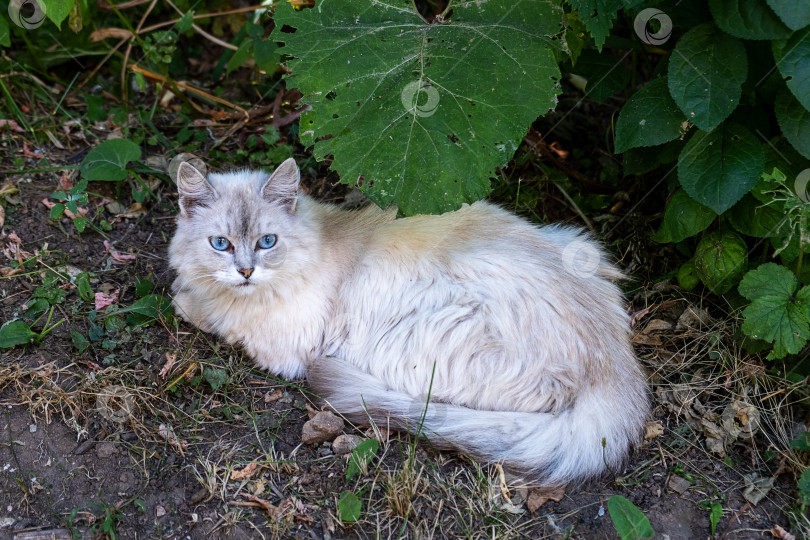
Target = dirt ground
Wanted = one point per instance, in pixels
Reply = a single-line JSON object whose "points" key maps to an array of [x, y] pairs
{"points": [[159, 431]]}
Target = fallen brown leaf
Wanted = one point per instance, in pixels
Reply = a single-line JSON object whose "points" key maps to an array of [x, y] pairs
{"points": [[167, 433], [653, 430], [104, 33], [779, 532], [103, 300], [271, 509], [117, 256], [29, 154], [248, 472], [135, 211], [8, 271], [170, 359], [12, 125], [540, 496]]}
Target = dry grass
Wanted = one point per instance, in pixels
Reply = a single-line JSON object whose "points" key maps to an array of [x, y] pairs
{"points": [[698, 376]]}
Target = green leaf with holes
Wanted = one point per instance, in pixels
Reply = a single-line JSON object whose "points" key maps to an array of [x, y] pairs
{"points": [[416, 114], [706, 71], [779, 311]]}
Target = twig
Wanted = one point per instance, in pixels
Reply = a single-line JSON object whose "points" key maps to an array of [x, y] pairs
{"points": [[103, 61], [129, 50], [122, 5], [576, 207], [203, 33], [206, 16], [185, 86]]}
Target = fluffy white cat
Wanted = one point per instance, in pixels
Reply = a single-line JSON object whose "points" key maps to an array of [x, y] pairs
{"points": [[516, 333]]}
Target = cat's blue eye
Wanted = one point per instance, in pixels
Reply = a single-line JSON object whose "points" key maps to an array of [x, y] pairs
{"points": [[219, 243], [267, 241]]}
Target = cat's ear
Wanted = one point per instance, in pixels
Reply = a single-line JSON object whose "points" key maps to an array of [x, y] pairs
{"points": [[282, 186], [194, 189]]}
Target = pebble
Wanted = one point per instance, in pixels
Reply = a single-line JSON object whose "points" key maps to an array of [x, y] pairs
{"points": [[346, 443], [324, 426], [105, 449]]}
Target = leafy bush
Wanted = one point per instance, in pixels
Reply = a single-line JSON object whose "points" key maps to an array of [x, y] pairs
{"points": [[419, 109], [419, 113]]}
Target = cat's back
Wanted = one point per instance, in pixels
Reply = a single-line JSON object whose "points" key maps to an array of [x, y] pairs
{"points": [[479, 231]]}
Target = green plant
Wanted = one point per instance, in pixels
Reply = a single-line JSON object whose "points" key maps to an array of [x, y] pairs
{"points": [[350, 507], [629, 521], [420, 113]]}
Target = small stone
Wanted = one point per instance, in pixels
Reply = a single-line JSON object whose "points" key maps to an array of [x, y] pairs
{"points": [[32, 428], [679, 484], [159, 511], [346, 443], [324, 426], [105, 449]]}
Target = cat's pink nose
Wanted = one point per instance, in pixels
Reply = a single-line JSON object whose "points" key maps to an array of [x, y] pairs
{"points": [[245, 272]]}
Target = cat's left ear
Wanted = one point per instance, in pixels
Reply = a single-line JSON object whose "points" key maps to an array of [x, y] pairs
{"points": [[282, 186], [193, 188]]}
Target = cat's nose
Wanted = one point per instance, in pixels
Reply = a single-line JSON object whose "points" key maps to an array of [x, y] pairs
{"points": [[245, 272]]}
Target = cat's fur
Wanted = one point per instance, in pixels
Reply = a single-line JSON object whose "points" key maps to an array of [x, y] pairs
{"points": [[524, 354]]}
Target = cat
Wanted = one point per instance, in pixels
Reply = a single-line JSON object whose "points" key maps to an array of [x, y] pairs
{"points": [[487, 334]]}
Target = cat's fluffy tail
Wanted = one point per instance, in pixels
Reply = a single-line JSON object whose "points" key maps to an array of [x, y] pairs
{"points": [[585, 441]]}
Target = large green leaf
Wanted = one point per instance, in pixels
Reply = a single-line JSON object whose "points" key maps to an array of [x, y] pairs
{"points": [[794, 13], [748, 19], [420, 114], [57, 10], [779, 310], [15, 333], [755, 218], [706, 72], [793, 60], [108, 160], [649, 117], [630, 522], [361, 456], [683, 218], [349, 507], [721, 259], [598, 17], [794, 121], [718, 168]]}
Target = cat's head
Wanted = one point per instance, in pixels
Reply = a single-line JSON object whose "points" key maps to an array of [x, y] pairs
{"points": [[238, 230]]}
